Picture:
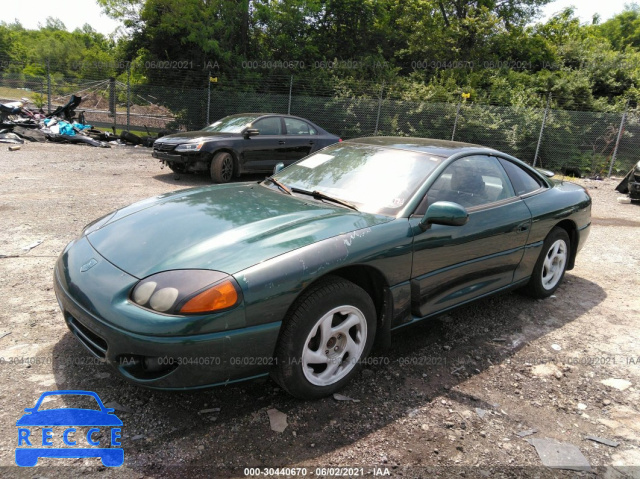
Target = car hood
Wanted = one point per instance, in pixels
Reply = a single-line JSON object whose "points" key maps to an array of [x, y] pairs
{"points": [[188, 136], [225, 228]]}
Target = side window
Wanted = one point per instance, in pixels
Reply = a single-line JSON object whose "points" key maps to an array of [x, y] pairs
{"points": [[472, 181], [268, 126], [522, 181], [298, 127]]}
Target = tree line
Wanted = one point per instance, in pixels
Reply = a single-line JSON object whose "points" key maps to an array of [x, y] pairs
{"points": [[493, 50]]}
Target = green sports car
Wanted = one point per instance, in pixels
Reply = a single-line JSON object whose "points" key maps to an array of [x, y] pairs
{"points": [[297, 275]]}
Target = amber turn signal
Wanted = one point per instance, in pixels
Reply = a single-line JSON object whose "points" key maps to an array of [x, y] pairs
{"points": [[221, 296]]}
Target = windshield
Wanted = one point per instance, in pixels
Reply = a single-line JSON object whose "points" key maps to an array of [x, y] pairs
{"points": [[375, 179], [231, 124]]}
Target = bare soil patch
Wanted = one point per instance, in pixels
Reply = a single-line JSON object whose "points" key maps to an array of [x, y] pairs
{"points": [[449, 398]]}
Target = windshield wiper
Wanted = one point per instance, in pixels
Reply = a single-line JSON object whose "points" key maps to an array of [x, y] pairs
{"points": [[321, 196], [278, 184]]}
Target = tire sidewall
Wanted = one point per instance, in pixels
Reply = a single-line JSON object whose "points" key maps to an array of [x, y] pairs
{"points": [[216, 167], [536, 288], [290, 353]]}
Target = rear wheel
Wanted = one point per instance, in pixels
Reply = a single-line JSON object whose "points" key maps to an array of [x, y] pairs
{"points": [[323, 340], [551, 265], [222, 167]]}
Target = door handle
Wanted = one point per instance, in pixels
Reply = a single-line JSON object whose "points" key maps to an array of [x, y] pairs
{"points": [[281, 142], [311, 142], [522, 227]]}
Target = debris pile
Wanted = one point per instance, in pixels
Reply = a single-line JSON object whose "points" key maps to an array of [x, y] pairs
{"points": [[19, 124]]}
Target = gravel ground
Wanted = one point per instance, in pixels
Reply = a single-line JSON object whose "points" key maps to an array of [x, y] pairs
{"points": [[449, 398]]}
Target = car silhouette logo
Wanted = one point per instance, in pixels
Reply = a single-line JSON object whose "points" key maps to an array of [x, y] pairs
{"points": [[48, 418]]}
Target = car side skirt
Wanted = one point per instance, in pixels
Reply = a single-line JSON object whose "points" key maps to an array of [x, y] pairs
{"points": [[415, 319]]}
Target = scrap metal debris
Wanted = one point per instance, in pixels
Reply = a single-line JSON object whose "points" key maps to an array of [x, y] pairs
{"points": [[29, 247], [18, 123], [341, 397], [8, 137], [560, 455], [278, 420], [606, 442]]}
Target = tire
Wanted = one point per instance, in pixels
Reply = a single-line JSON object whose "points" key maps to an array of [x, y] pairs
{"points": [[327, 333], [551, 265], [222, 167], [130, 137], [176, 167]]}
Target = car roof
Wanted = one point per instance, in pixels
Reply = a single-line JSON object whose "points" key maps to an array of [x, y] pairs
{"points": [[442, 148], [256, 115]]}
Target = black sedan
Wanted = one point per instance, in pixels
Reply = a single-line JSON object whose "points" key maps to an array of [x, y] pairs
{"points": [[243, 143]]}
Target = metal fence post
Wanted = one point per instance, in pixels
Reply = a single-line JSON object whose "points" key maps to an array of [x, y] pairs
{"points": [[128, 95], [615, 150], [455, 122], [544, 122], [112, 100], [208, 95], [290, 90], [379, 108], [48, 88]]}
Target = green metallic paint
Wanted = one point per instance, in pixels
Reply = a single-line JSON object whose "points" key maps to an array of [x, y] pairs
{"points": [[276, 245], [237, 227], [103, 292], [444, 213], [385, 247]]}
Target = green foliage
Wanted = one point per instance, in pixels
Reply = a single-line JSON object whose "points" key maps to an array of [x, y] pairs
{"points": [[422, 50]]}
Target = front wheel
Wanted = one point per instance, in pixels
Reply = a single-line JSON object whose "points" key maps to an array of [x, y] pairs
{"points": [[177, 167], [324, 339], [222, 167], [551, 265]]}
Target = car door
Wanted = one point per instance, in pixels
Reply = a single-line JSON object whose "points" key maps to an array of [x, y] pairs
{"points": [[262, 152], [454, 264], [302, 139]]}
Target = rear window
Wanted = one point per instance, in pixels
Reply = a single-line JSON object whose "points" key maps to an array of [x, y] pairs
{"points": [[522, 181]]}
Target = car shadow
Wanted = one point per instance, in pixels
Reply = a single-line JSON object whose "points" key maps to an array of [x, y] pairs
{"points": [[436, 359]]}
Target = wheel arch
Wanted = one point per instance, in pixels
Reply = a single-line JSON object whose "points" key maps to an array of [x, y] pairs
{"points": [[572, 230], [234, 155], [375, 285]]}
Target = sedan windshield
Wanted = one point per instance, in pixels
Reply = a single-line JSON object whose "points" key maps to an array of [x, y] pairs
{"points": [[374, 179], [231, 124]]}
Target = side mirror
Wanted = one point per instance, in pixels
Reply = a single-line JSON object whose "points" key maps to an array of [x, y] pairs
{"points": [[547, 173], [444, 213], [278, 167], [250, 132]]}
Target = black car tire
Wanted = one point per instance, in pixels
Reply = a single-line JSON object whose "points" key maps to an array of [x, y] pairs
{"points": [[314, 307], [176, 167], [222, 167], [549, 259]]}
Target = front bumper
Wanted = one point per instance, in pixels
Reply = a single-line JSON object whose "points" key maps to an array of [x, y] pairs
{"points": [[193, 162], [173, 157], [187, 360]]}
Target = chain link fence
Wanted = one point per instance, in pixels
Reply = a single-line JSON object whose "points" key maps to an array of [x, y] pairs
{"points": [[591, 143]]}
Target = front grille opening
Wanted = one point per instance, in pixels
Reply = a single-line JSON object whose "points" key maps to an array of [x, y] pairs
{"points": [[94, 343], [164, 147]]}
